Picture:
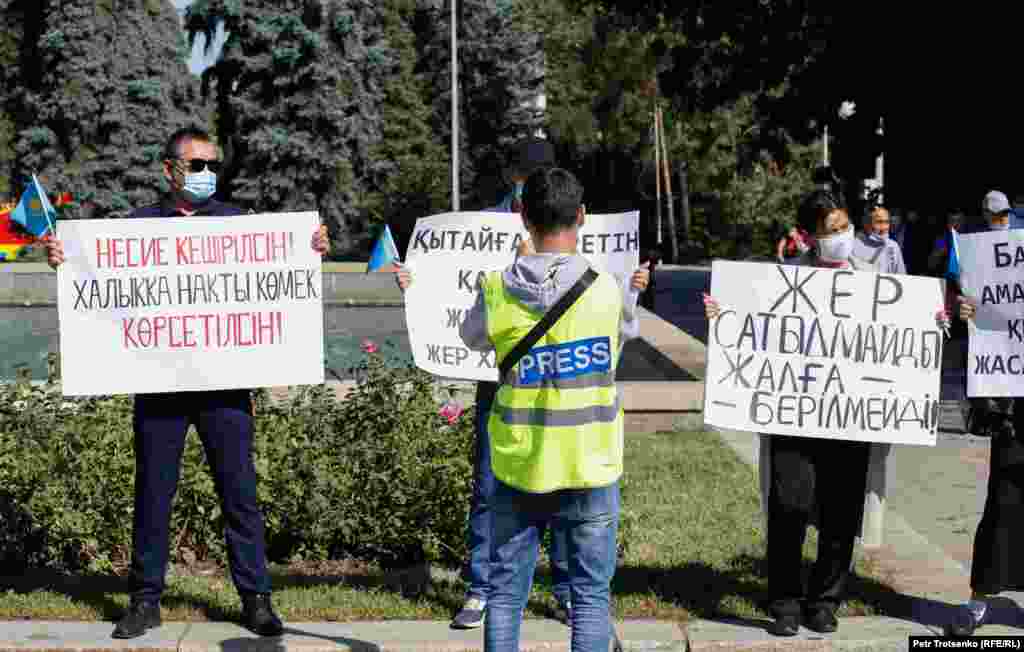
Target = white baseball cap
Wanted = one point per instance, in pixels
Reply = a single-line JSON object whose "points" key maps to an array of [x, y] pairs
{"points": [[996, 202]]}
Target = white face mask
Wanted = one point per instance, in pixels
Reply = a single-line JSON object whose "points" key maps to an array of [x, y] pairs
{"points": [[837, 247], [200, 186], [999, 227], [878, 238]]}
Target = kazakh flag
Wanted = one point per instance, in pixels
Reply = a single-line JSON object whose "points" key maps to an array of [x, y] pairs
{"points": [[953, 266], [34, 210], [384, 252]]}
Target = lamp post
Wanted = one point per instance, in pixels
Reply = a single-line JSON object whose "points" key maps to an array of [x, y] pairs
{"points": [[825, 143], [880, 164], [455, 108]]}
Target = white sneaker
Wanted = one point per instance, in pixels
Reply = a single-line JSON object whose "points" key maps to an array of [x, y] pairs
{"points": [[471, 616]]}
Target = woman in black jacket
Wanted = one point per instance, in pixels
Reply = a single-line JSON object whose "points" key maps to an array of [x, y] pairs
{"points": [[811, 476]]}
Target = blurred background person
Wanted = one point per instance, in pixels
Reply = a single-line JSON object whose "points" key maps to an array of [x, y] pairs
{"points": [[874, 245]]}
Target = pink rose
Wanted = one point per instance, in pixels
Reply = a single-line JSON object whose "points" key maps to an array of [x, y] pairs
{"points": [[451, 411], [369, 346]]}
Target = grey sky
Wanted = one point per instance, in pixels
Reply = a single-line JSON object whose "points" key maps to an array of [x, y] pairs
{"points": [[197, 62]]}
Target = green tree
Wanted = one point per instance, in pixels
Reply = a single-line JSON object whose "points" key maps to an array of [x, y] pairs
{"points": [[730, 77], [99, 86], [12, 27], [501, 73], [299, 90], [410, 166], [755, 174]]}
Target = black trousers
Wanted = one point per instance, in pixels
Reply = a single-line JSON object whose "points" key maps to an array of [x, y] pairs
{"points": [[224, 422], [997, 564], [813, 477]]}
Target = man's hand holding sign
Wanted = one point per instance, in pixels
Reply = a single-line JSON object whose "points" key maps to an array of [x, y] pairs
{"points": [[993, 302], [449, 253], [189, 304], [175, 299]]}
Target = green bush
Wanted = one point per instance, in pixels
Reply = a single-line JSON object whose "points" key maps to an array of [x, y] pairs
{"points": [[380, 476]]}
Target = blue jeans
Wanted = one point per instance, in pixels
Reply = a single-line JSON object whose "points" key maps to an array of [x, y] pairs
{"points": [[478, 568], [588, 520]]}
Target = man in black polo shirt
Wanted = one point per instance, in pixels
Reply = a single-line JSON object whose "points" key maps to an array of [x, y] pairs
{"points": [[223, 419]]}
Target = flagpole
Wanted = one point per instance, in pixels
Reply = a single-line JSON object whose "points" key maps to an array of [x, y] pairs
{"points": [[44, 200], [455, 109]]}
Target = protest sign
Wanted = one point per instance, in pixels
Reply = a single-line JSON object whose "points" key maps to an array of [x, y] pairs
{"points": [[990, 272], [826, 353], [189, 303], [449, 252]]}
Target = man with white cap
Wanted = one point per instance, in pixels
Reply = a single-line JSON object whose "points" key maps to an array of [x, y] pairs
{"points": [[996, 564], [996, 209]]}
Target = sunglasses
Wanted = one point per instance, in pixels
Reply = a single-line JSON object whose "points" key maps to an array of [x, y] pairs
{"points": [[198, 164]]}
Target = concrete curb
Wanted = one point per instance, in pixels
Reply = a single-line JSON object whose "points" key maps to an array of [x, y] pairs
{"points": [[860, 633], [394, 636], [684, 350]]}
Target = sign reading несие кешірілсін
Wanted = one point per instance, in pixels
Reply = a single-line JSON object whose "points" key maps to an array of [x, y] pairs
{"points": [[827, 353], [446, 255], [189, 303], [990, 272]]}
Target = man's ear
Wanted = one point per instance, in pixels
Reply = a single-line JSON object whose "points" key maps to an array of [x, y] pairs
{"points": [[581, 214], [169, 173]]}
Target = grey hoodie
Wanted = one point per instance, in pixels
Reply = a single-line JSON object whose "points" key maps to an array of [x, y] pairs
{"points": [[885, 258], [539, 281]]}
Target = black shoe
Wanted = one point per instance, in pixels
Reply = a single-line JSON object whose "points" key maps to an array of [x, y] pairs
{"points": [[141, 616], [786, 625], [821, 618], [259, 617], [964, 623]]}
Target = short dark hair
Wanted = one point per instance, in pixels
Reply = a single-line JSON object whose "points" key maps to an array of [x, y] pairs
{"points": [[172, 147], [817, 206], [552, 198], [530, 154]]}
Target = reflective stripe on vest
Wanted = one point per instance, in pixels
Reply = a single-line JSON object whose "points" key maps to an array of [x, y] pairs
{"points": [[556, 421], [571, 417]]}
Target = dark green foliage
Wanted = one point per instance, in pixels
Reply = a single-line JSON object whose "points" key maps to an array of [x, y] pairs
{"points": [[12, 25], [379, 476], [92, 85], [410, 173], [726, 75], [299, 106], [501, 74]]}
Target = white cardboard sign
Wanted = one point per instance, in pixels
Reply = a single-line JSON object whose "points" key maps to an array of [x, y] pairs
{"points": [[151, 305], [825, 353], [990, 272], [448, 252]]}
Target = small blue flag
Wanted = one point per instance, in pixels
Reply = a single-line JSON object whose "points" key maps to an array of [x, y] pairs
{"points": [[953, 266], [384, 252], [34, 210]]}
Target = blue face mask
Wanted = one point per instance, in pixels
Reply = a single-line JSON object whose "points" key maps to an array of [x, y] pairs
{"points": [[200, 186]]}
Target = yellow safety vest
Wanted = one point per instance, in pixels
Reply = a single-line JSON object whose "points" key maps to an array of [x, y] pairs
{"points": [[556, 421]]}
